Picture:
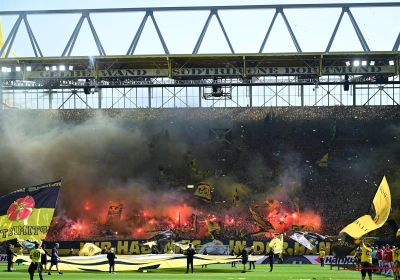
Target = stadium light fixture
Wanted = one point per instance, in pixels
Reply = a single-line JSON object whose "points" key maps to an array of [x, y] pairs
{"points": [[372, 63], [54, 68], [62, 67], [47, 68], [70, 68], [391, 62], [3, 69], [28, 68], [348, 63], [356, 63], [364, 63], [18, 68]]}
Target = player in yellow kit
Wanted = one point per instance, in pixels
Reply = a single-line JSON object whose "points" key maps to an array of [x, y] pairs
{"points": [[35, 256], [366, 261], [322, 257]]}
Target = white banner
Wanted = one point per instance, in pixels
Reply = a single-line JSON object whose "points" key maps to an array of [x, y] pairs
{"points": [[3, 258], [314, 259], [201, 72]]}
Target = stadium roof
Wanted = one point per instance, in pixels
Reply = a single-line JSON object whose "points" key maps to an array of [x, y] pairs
{"points": [[234, 61]]}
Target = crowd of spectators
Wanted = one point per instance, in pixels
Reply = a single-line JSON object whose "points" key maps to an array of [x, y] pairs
{"points": [[274, 152]]}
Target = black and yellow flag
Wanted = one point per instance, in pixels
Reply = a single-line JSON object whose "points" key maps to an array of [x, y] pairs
{"points": [[194, 222], [263, 224], [89, 249], [115, 209], [277, 244], [349, 237], [192, 164], [27, 213], [235, 196], [213, 229], [203, 191], [323, 162]]}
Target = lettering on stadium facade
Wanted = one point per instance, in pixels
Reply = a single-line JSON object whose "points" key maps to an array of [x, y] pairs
{"points": [[205, 72]]}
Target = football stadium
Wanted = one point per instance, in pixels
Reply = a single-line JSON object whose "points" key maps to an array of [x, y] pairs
{"points": [[287, 159]]}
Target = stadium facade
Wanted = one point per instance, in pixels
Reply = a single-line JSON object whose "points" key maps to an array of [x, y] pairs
{"points": [[324, 78]]}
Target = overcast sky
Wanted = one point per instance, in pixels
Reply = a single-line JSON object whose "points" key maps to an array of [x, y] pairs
{"points": [[246, 29]]}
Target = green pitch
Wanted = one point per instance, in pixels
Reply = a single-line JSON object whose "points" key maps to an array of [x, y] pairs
{"points": [[281, 272]]}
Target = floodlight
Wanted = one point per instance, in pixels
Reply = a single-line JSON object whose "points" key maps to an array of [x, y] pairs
{"points": [[54, 68], [391, 62], [348, 63], [17, 68], [70, 67], [9, 70], [47, 68], [372, 63], [356, 63], [3, 69], [364, 63], [28, 68], [190, 186], [62, 67]]}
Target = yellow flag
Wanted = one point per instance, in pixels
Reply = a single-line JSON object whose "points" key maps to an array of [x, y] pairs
{"points": [[277, 244], [323, 162], [89, 249], [381, 209], [350, 236], [203, 191], [27, 213], [192, 164]]}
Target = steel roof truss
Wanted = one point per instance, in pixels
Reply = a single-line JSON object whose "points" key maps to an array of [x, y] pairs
{"points": [[96, 38], [71, 42], [396, 44], [34, 43], [159, 34], [10, 39], [358, 31], [203, 32], [135, 40]]}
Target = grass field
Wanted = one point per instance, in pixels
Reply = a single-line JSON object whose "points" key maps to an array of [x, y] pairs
{"points": [[281, 272]]}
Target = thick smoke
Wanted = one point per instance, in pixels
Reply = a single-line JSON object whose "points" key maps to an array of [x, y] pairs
{"points": [[109, 159]]}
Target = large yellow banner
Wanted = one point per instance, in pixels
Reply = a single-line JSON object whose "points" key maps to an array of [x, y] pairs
{"points": [[27, 213], [378, 215], [348, 239]]}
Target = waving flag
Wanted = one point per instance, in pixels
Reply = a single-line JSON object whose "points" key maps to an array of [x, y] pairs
{"points": [[203, 190], [323, 162], [115, 209], [277, 244], [159, 240], [307, 239], [192, 164], [263, 224], [27, 213], [89, 249], [183, 245], [348, 239]]}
